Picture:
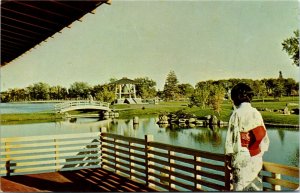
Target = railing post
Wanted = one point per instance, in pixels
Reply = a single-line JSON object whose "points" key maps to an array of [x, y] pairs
{"points": [[276, 187], [7, 163], [197, 159], [228, 173], [56, 154], [102, 130], [171, 169], [131, 163], [148, 139], [116, 155]]}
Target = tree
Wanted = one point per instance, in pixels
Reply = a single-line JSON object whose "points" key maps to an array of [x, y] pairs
{"points": [[171, 90], [260, 89], [278, 89], [58, 92], [104, 93], [21, 94], [145, 87], [112, 80], [79, 90], [39, 91], [270, 84], [208, 93], [63, 93], [217, 94], [291, 46], [185, 90], [200, 95], [291, 86], [4, 97]]}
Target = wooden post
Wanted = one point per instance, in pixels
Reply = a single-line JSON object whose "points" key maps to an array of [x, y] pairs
{"points": [[171, 169], [228, 173], [102, 130], [56, 154], [148, 139], [116, 154], [197, 159], [7, 163], [131, 158], [165, 175], [276, 187]]}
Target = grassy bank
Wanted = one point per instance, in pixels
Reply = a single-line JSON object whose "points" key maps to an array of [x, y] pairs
{"points": [[165, 107], [29, 118], [128, 111]]}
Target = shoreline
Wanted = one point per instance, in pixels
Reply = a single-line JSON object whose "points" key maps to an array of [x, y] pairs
{"points": [[126, 111], [50, 117], [281, 125]]}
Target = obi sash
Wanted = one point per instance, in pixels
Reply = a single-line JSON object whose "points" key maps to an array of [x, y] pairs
{"points": [[252, 139]]}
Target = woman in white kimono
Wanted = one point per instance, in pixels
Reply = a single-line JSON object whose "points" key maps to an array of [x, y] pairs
{"points": [[246, 140]]}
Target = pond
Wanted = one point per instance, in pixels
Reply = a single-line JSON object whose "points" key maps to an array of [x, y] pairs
{"points": [[284, 145], [6, 108]]}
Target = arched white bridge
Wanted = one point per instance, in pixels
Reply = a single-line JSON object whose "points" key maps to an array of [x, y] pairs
{"points": [[78, 105]]}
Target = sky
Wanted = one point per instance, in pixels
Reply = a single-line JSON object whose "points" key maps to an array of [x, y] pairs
{"points": [[198, 40]]}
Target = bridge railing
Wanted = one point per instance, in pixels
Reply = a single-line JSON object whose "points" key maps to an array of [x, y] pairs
{"points": [[156, 165], [79, 103]]}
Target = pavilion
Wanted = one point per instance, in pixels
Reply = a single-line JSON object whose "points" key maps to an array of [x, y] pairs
{"points": [[126, 91]]}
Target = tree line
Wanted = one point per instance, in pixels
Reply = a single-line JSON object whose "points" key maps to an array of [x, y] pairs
{"points": [[145, 88], [204, 93]]}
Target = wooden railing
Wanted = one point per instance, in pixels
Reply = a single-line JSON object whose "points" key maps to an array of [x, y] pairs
{"points": [[156, 165], [277, 177], [164, 167], [37, 154]]}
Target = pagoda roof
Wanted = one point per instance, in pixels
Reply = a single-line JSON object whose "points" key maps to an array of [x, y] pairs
{"points": [[125, 80]]}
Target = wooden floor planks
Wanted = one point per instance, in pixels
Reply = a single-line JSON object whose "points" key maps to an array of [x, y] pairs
{"points": [[87, 180]]}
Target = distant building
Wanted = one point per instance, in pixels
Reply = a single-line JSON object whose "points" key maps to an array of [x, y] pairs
{"points": [[125, 91]]}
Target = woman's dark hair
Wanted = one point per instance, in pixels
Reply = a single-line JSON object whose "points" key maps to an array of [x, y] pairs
{"points": [[241, 93]]}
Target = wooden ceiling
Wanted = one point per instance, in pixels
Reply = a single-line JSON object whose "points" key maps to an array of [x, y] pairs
{"points": [[25, 24]]}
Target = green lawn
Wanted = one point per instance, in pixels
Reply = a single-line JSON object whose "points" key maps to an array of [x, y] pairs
{"points": [[29, 118], [165, 107]]}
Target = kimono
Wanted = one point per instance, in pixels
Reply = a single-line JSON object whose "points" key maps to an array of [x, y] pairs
{"points": [[246, 141]]}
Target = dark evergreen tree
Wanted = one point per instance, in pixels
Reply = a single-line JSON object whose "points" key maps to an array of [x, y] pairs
{"points": [[171, 90]]}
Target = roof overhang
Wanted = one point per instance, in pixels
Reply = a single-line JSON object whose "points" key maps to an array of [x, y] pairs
{"points": [[124, 80], [25, 24]]}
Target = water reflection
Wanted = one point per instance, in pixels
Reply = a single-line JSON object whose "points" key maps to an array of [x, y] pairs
{"points": [[281, 135], [85, 122], [209, 135], [173, 134]]}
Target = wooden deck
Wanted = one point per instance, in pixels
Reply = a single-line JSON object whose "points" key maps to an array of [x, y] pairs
{"points": [[87, 180]]}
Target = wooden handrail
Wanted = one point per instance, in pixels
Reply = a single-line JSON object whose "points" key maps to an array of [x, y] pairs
{"points": [[279, 177], [174, 165], [35, 154], [156, 165]]}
